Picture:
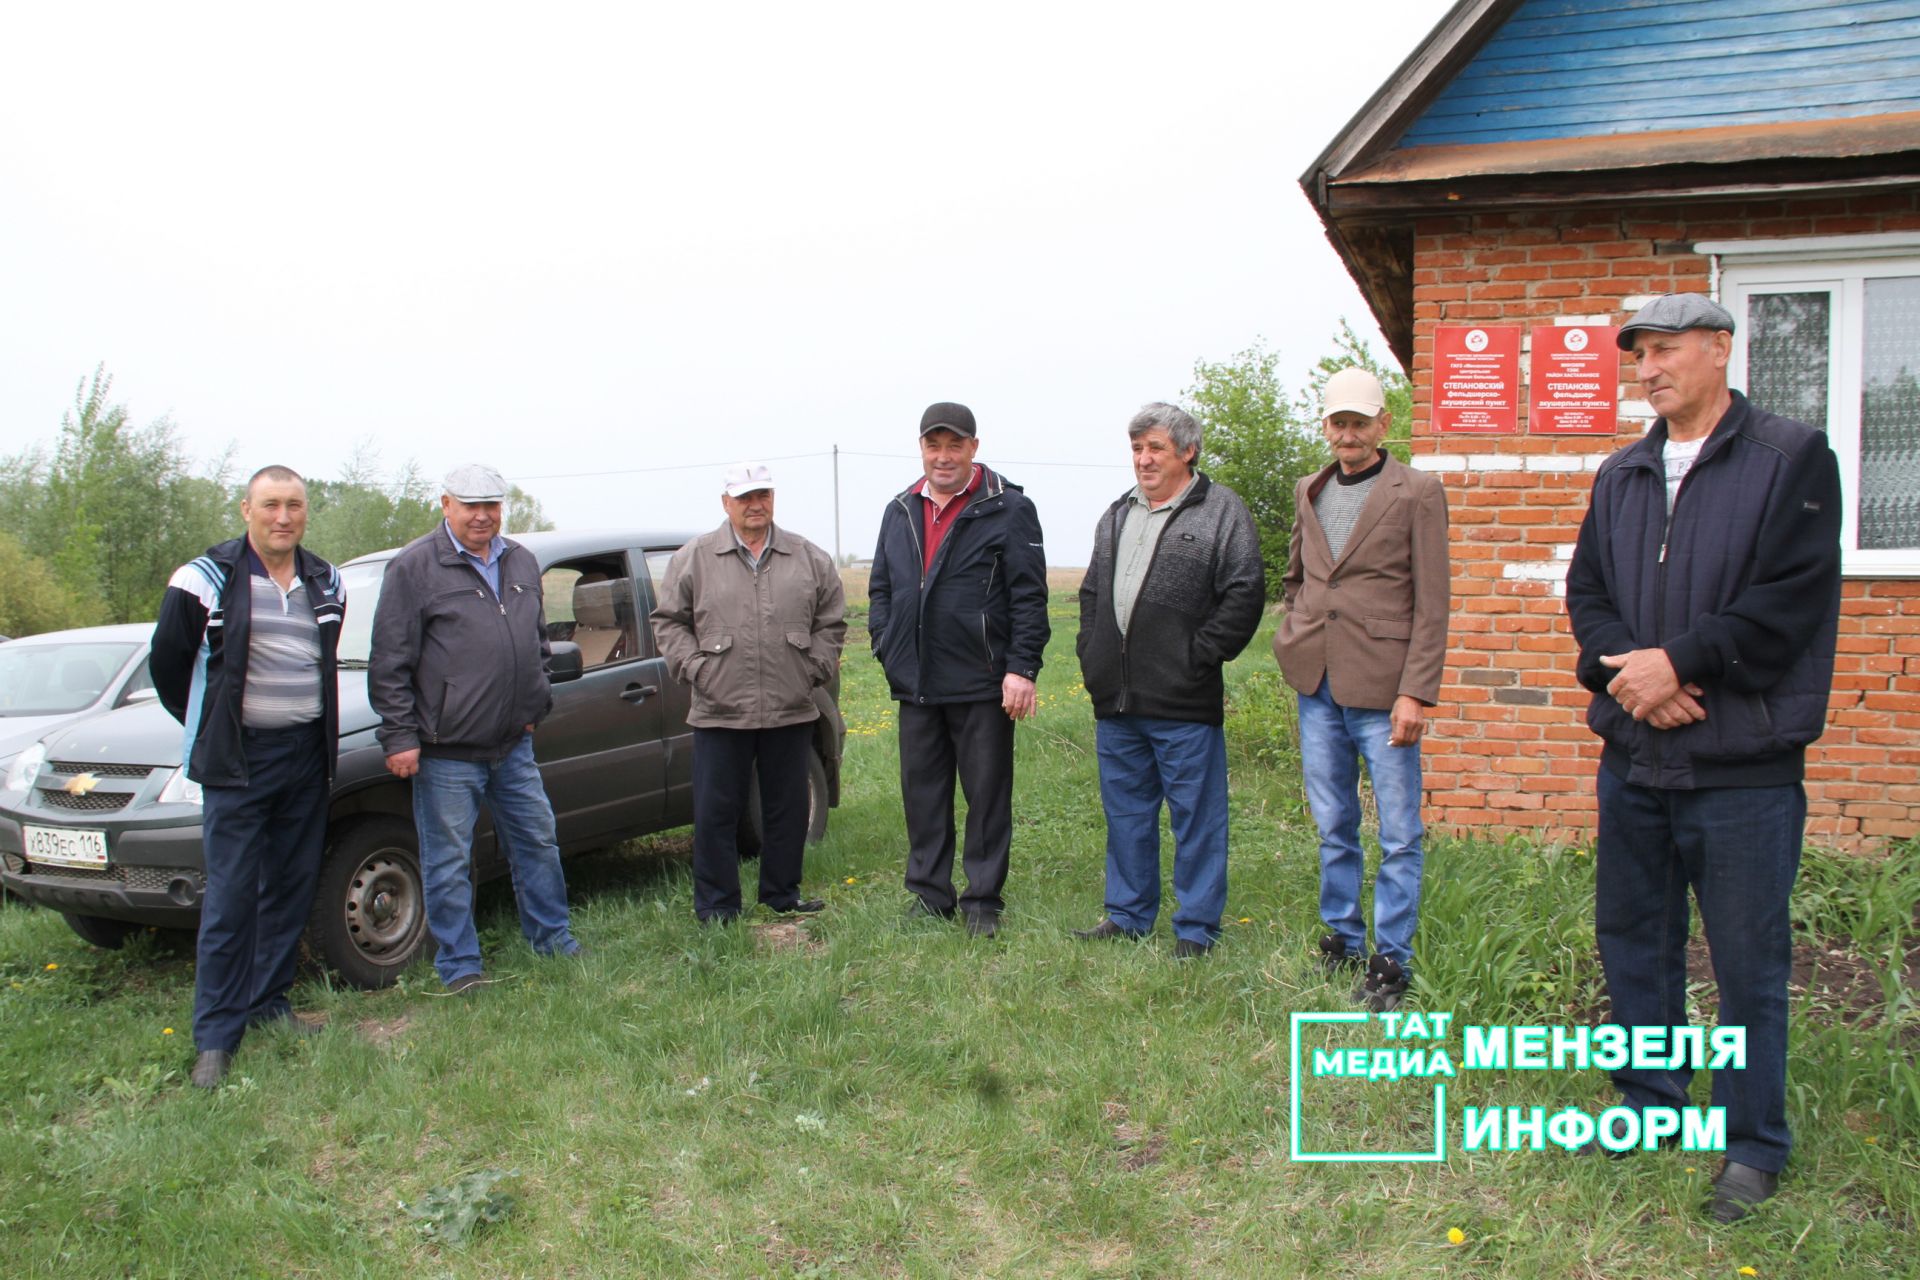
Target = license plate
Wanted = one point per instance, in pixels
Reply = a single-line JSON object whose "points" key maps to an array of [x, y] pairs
{"points": [[62, 847]]}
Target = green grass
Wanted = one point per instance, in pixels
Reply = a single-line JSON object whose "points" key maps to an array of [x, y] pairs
{"points": [[876, 1096]]}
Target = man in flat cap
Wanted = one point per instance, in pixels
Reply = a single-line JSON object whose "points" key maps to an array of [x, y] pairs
{"points": [[753, 617], [459, 680], [1363, 644], [1704, 593], [958, 613]]}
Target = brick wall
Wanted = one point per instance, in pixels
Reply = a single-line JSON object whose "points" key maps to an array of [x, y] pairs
{"points": [[1508, 746]]}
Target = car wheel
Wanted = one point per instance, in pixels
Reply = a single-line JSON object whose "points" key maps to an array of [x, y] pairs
{"points": [[99, 930], [370, 910], [750, 836]]}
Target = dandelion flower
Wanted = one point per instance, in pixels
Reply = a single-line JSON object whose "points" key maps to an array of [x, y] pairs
{"points": [[1456, 1236], [1246, 919], [1748, 1271], [853, 879], [51, 967], [1870, 1140], [166, 1031], [1691, 1169]]}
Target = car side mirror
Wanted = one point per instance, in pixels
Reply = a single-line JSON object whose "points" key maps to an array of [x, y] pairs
{"points": [[565, 663]]}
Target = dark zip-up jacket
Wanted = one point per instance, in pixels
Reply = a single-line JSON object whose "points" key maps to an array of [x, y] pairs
{"points": [[1740, 587], [200, 648], [952, 633], [1198, 606], [457, 671]]}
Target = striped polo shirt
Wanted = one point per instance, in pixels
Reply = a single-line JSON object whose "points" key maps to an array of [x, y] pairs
{"points": [[283, 654]]}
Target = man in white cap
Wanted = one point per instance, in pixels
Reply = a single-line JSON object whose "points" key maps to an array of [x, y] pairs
{"points": [[1363, 644], [753, 617], [1705, 595], [458, 677]]}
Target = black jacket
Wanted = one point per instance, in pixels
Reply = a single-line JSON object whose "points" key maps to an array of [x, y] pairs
{"points": [[200, 648], [456, 672], [1741, 588], [1198, 605], [952, 634]]}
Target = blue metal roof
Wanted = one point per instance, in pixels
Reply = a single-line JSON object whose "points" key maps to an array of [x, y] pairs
{"points": [[1586, 68]]}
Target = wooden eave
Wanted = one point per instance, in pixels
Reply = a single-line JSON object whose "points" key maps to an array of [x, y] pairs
{"points": [[1369, 210]]}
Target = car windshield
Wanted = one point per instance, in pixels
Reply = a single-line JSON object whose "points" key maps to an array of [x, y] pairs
{"points": [[52, 679], [362, 582]]}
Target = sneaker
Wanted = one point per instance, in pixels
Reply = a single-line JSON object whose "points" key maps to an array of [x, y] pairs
{"points": [[1385, 983], [1335, 959]]}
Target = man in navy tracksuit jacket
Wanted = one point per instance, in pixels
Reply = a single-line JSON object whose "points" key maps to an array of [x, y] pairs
{"points": [[244, 657], [1704, 592], [957, 606]]}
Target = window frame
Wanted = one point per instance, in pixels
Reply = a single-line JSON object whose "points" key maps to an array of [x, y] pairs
{"points": [[1840, 266]]}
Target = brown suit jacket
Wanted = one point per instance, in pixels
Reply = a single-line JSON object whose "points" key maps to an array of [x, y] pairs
{"points": [[1373, 622]]}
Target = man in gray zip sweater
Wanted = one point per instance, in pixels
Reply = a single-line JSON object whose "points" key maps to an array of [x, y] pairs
{"points": [[458, 677]]}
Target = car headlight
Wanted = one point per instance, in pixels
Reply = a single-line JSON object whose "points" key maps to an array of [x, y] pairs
{"points": [[180, 789], [25, 768]]}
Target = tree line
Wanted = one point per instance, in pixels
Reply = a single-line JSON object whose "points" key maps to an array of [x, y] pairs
{"points": [[92, 525]]}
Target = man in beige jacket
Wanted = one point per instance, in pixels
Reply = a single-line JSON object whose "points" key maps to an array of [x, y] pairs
{"points": [[752, 616], [1363, 643]]}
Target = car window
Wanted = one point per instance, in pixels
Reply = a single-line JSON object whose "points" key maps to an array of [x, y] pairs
{"points": [[589, 601], [53, 679], [362, 582], [657, 562], [138, 683]]}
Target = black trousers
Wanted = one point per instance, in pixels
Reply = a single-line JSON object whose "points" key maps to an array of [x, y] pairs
{"points": [[724, 761], [975, 741], [262, 845]]}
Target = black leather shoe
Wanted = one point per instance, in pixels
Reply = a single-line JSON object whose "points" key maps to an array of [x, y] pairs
{"points": [[210, 1068], [918, 910], [1188, 949], [1105, 929], [983, 924], [801, 907], [1737, 1188]]}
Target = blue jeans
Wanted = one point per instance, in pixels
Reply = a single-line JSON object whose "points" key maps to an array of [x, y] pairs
{"points": [[1739, 849], [1144, 761], [1333, 741], [446, 804]]}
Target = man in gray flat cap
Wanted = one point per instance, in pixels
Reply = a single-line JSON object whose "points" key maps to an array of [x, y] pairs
{"points": [[459, 680], [1705, 593]]}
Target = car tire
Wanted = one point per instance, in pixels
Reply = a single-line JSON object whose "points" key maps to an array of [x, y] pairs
{"points": [[107, 934], [749, 839], [369, 917]]}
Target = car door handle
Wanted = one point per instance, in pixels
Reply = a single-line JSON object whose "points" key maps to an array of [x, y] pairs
{"points": [[639, 692]]}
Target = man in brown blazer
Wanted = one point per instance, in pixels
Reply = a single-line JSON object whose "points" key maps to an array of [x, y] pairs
{"points": [[1363, 643]]}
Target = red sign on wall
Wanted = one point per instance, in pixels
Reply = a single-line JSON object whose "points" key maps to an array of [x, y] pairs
{"points": [[1476, 385], [1576, 380]]}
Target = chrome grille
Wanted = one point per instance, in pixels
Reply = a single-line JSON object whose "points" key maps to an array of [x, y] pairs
{"points": [[68, 768], [92, 802]]}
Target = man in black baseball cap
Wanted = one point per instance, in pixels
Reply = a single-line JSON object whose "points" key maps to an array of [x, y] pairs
{"points": [[957, 607]]}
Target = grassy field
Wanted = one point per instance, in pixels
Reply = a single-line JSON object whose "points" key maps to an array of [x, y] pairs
{"points": [[872, 1096]]}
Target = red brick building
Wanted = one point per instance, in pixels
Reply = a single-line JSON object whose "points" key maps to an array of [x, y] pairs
{"points": [[1554, 162]]}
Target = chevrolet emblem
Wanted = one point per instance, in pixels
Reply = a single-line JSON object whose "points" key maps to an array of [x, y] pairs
{"points": [[81, 784]]}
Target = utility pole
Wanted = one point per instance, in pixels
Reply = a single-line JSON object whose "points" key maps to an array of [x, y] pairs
{"points": [[836, 504]]}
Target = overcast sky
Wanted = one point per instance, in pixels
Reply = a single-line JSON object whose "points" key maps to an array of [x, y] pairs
{"points": [[588, 243]]}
